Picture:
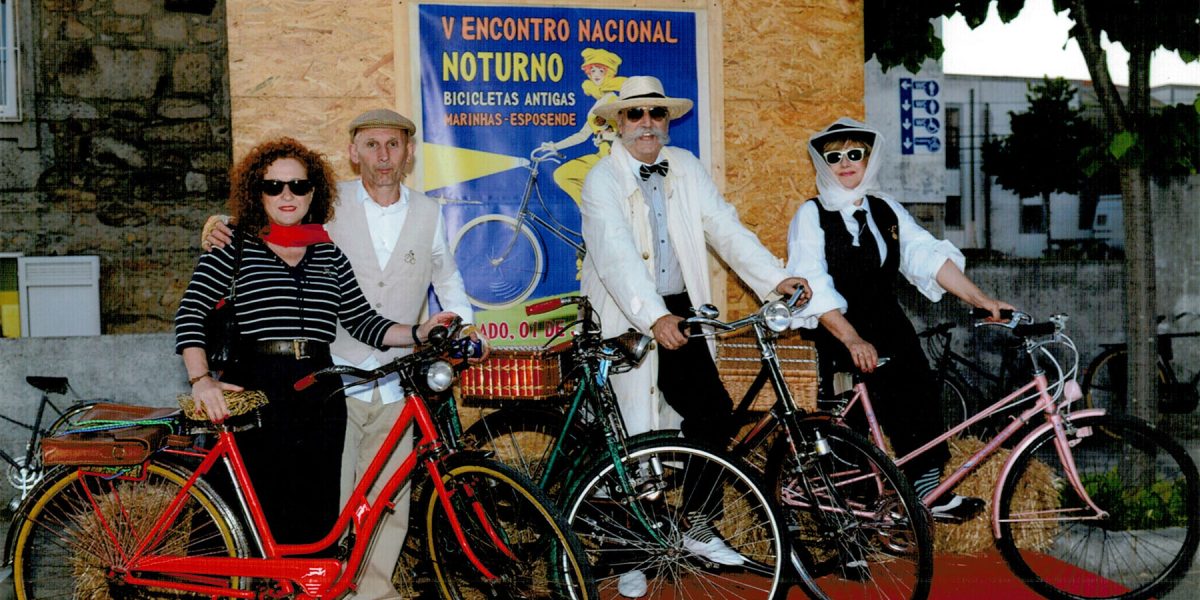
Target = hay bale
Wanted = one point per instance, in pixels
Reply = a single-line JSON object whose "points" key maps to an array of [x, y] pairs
{"points": [[1035, 491]]}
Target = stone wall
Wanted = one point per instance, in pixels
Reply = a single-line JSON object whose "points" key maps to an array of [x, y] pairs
{"points": [[132, 147]]}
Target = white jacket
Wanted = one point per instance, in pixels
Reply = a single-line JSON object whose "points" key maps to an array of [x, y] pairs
{"points": [[618, 272]]}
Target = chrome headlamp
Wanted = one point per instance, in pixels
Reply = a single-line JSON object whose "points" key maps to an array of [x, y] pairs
{"points": [[633, 345], [777, 316], [439, 376]]}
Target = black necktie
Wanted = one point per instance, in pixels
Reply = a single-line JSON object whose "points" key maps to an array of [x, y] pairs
{"points": [[647, 170], [866, 239]]}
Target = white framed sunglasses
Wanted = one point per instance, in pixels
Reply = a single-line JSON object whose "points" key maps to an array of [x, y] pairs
{"points": [[853, 155]]}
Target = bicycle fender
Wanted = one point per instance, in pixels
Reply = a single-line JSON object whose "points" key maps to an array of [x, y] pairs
{"points": [[1020, 449]]}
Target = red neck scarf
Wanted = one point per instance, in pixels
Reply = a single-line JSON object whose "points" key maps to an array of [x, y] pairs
{"points": [[291, 236]]}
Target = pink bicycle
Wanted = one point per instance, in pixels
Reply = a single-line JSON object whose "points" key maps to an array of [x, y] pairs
{"points": [[1124, 501]]}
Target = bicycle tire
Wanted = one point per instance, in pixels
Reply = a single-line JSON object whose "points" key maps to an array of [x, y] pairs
{"points": [[1105, 385], [549, 562], [79, 527], [496, 276], [524, 439], [954, 405], [609, 522], [1149, 537], [892, 535], [69, 417]]}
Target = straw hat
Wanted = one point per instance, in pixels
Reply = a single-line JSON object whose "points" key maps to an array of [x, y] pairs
{"points": [[602, 57], [643, 90]]}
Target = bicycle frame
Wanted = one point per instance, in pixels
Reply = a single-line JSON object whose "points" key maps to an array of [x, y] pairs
{"points": [[1052, 410], [327, 577], [562, 232]]}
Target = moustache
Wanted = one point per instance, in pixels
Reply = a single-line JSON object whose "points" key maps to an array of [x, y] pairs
{"points": [[629, 137]]}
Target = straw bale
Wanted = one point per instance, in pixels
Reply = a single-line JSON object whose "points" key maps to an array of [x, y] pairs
{"points": [[1035, 491]]}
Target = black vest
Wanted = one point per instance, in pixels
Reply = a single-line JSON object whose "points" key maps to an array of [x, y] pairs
{"points": [[868, 286]]}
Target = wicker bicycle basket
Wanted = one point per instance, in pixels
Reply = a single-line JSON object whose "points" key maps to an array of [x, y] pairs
{"points": [[739, 361], [514, 374]]}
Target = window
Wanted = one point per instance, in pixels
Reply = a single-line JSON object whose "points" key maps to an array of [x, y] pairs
{"points": [[954, 212], [953, 138], [1031, 218], [8, 60]]}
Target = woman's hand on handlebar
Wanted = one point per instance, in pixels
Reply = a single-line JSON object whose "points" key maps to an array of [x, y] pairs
{"points": [[667, 333], [865, 357], [443, 319], [993, 306], [210, 393]]}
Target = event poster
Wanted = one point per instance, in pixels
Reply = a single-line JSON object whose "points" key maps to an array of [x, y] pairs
{"points": [[509, 135]]}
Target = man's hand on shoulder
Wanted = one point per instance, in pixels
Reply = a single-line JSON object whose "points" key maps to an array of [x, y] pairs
{"points": [[216, 233]]}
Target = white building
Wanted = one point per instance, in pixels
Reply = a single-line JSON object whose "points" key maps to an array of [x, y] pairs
{"points": [[978, 213]]}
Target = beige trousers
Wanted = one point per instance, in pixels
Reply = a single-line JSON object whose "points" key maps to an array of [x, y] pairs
{"points": [[367, 426]]}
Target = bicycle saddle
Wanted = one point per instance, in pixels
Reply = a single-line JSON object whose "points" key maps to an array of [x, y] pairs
{"points": [[50, 385]]}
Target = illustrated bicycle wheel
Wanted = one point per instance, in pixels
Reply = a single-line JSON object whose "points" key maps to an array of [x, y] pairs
{"points": [[684, 522], [1141, 543], [1105, 384], [75, 536], [501, 263], [525, 439], [511, 527], [855, 525]]}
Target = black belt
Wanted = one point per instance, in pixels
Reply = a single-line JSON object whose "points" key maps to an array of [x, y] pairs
{"points": [[295, 348]]}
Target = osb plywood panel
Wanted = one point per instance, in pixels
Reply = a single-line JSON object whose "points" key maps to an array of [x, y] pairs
{"points": [[790, 68], [305, 69]]}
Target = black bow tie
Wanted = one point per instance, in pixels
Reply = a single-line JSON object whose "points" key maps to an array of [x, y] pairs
{"points": [[647, 170]]}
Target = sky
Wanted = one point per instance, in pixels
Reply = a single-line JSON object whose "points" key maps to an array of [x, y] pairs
{"points": [[1043, 49]]}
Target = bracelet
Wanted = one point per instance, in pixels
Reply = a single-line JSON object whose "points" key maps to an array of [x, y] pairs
{"points": [[416, 340], [193, 380]]}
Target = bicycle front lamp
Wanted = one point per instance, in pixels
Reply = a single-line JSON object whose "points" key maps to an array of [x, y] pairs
{"points": [[777, 316], [439, 376]]}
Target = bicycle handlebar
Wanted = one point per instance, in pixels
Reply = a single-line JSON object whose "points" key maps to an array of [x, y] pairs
{"points": [[540, 155], [545, 306], [442, 340]]}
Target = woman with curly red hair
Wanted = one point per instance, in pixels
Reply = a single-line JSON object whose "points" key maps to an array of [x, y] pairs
{"points": [[293, 288]]}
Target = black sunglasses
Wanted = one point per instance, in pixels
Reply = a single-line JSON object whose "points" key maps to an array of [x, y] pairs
{"points": [[658, 113], [853, 155], [274, 187]]}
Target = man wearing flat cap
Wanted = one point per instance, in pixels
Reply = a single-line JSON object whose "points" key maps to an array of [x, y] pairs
{"points": [[650, 212], [395, 239]]}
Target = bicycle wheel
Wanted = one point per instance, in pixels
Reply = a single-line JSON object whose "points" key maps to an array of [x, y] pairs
{"points": [[75, 535], [955, 408], [501, 264], [511, 527], [1145, 483], [1105, 385], [654, 528], [67, 420], [854, 522], [525, 440]]}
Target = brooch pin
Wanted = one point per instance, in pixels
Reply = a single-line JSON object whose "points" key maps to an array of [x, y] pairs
{"points": [[410, 258], [895, 234]]}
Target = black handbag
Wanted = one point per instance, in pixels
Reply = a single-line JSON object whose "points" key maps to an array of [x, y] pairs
{"points": [[220, 327]]}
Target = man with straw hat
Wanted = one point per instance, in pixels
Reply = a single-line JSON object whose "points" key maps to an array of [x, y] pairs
{"points": [[395, 239], [650, 211]]}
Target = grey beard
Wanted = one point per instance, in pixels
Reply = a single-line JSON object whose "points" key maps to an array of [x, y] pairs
{"points": [[628, 139]]}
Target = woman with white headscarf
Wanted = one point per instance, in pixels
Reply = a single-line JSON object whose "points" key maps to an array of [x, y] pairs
{"points": [[850, 244]]}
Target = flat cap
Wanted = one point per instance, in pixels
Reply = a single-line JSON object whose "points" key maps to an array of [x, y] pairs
{"points": [[382, 117]]}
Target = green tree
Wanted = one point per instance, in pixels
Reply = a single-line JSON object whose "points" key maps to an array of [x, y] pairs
{"points": [[900, 33], [1045, 152]]}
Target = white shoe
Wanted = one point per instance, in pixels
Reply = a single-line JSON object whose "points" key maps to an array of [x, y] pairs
{"points": [[632, 584], [714, 550]]}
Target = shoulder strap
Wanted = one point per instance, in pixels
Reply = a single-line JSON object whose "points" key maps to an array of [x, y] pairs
{"points": [[237, 264]]}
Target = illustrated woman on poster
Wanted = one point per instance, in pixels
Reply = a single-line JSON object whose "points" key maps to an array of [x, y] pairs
{"points": [[602, 83]]}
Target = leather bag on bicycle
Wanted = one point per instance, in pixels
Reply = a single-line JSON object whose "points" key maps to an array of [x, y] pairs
{"points": [[126, 445], [220, 326]]}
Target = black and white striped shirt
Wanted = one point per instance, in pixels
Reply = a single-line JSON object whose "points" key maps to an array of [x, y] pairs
{"points": [[275, 301]]}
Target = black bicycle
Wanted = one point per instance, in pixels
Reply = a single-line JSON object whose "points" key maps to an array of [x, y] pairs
{"points": [[1105, 384], [25, 469], [962, 383]]}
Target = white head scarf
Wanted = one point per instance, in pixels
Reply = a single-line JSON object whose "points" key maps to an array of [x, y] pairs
{"points": [[830, 192]]}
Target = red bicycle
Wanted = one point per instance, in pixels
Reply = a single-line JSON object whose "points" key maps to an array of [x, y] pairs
{"points": [[159, 527]]}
